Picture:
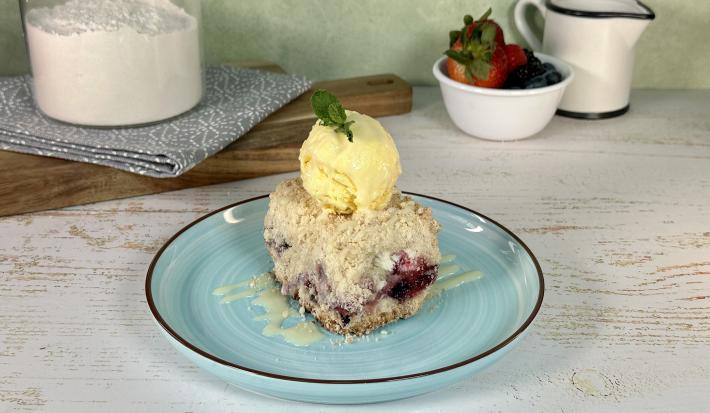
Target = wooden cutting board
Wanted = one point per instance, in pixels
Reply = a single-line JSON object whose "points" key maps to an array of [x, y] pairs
{"points": [[35, 183]]}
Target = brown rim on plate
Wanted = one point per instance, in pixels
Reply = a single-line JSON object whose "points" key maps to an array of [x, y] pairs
{"points": [[184, 342]]}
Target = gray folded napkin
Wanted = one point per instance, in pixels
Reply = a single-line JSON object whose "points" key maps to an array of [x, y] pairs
{"points": [[235, 100]]}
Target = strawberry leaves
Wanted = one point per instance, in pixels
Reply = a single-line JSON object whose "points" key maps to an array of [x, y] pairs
{"points": [[484, 17], [473, 46], [328, 109], [459, 57], [488, 33], [479, 69], [454, 36]]}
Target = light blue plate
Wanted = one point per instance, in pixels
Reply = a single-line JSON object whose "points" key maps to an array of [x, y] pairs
{"points": [[452, 337]]}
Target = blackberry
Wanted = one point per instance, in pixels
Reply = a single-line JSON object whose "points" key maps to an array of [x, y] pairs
{"points": [[533, 74], [532, 59], [518, 78]]}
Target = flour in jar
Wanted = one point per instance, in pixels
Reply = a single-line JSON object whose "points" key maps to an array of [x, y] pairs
{"points": [[111, 63]]}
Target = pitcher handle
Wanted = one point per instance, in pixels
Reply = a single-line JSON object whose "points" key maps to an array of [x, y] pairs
{"points": [[522, 24]]}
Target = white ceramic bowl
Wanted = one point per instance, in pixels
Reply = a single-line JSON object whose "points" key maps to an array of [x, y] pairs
{"points": [[502, 114]]}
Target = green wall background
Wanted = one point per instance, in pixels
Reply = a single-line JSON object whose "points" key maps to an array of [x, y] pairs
{"points": [[342, 38]]}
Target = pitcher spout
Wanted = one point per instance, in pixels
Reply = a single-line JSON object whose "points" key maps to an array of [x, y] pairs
{"points": [[630, 30]]}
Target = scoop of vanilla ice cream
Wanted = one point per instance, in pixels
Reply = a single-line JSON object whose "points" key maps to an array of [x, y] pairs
{"points": [[346, 176]]}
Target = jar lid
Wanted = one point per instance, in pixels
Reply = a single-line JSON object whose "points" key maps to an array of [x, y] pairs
{"points": [[633, 9]]}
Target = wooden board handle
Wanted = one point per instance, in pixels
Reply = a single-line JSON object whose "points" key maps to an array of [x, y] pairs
{"points": [[377, 95]]}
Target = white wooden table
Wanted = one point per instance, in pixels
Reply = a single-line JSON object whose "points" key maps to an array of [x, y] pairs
{"points": [[617, 211]]}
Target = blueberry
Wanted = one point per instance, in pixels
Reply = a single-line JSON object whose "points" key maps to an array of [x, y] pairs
{"points": [[548, 67], [552, 77], [535, 85], [537, 81]]}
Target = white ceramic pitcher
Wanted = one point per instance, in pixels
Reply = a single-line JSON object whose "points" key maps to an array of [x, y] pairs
{"points": [[598, 38]]}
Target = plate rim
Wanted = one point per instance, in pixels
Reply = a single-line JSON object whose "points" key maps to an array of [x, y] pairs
{"points": [[184, 342]]}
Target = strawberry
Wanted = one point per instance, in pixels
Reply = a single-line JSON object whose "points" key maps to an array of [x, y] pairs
{"points": [[516, 56], [498, 72], [456, 70], [500, 38], [476, 54]]}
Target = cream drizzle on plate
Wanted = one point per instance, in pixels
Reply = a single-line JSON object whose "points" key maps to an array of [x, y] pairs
{"points": [[447, 283], [278, 309], [448, 270]]}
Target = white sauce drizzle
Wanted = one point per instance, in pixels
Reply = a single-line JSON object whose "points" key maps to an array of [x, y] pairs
{"points": [[277, 308]]}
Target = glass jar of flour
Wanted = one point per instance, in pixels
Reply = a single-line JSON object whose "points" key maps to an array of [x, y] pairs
{"points": [[114, 62]]}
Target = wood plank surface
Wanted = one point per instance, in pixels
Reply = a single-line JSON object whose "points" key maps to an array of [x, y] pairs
{"points": [[35, 183], [616, 211]]}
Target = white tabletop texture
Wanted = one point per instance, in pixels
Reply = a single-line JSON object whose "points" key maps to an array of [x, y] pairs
{"points": [[617, 211]]}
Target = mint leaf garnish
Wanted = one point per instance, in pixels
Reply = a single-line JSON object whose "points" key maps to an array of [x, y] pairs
{"points": [[328, 109]]}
